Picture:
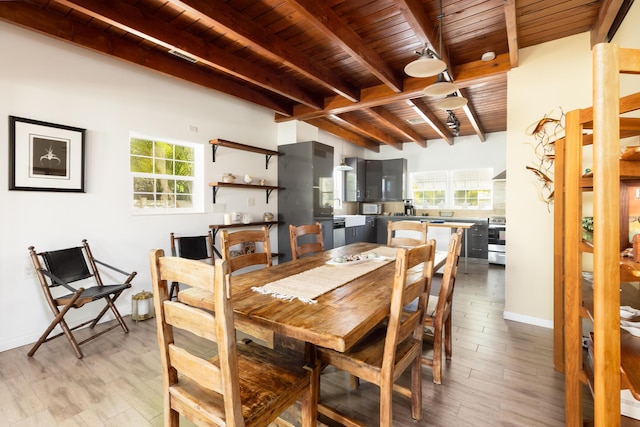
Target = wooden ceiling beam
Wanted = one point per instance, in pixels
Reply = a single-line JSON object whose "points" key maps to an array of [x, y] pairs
{"points": [[226, 19], [607, 14], [398, 124], [57, 26], [333, 28], [339, 131], [512, 31], [368, 129], [133, 20], [468, 74], [421, 108], [473, 117]]}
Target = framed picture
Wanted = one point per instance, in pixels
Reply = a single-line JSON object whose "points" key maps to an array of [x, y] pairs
{"points": [[45, 156]]}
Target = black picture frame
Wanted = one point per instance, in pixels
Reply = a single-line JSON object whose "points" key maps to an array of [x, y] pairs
{"points": [[46, 156]]}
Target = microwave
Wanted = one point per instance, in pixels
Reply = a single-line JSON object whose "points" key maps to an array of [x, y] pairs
{"points": [[371, 208]]}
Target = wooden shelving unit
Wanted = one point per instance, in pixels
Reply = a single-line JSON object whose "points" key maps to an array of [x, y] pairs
{"points": [[215, 143], [615, 360]]}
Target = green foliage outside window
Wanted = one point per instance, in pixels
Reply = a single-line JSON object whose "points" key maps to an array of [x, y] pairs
{"points": [[162, 174]]}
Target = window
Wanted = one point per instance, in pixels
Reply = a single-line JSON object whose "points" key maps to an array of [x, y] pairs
{"points": [[472, 188], [457, 189], [429, 189], [166, 176]]}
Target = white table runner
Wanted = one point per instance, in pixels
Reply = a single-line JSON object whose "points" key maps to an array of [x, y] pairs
{"points": [[310, 284]]}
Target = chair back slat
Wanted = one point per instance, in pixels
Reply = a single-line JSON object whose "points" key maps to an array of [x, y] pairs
{"points": [[418, 232], [305, 239], [189, 273], [198, 322], [445, 297], [69, 264], [200, 370], [248, 238]]}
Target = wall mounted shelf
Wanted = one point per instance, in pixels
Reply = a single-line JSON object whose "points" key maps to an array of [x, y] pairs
{"points": [[217, 185], [215, 143]]}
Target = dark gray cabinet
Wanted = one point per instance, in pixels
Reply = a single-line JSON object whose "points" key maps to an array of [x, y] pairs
{"points": [[361, 233], [394, 177], [478, 241], [385, 180], [354, 187], [373, 180], [305, 179]]}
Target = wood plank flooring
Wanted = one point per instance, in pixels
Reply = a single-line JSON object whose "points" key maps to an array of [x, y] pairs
{"points": [[501, 374]]}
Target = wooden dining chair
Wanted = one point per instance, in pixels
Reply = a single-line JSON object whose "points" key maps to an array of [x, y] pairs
{"points": [[396, 344], [305, 239], [439, 309], [65, 268], [252, 247], [244, 384], [418, 231], [190, 247]]}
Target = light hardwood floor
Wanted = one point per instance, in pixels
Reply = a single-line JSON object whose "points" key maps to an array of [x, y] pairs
{"points": [[501, 374]]}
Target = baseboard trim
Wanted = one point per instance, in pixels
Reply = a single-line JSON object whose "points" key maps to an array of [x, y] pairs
{"points": [[516, 317]]}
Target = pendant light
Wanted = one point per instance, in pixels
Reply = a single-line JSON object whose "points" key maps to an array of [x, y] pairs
{"points": [[441, 87], [451, 102], [444, 86], [342, 166], [427, 65]]}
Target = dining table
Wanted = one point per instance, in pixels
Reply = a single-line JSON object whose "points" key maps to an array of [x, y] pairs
{"points": [[336, 319]]}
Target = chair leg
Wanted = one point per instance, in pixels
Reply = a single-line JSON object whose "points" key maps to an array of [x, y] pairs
{"points": [[310, 399], [59, 320], [437, 354], [416, 389], [111, 305], [448, 350], [386, 398]]}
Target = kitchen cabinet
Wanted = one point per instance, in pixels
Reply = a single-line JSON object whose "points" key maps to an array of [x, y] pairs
{"points": [[373, 180], [612, 359], [355, 180], [394, 178], [361, 233], [305, 179], [478, 240], [385, 180]]}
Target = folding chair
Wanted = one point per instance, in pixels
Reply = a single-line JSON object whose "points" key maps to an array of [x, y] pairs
{"points": [[63, 267], [190, 247]]}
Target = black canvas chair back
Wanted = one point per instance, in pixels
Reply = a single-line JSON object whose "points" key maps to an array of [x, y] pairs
{"points": [[190, 247], [67, 264], [64, 267]]}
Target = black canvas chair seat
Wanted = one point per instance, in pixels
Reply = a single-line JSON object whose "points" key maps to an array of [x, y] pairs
{"points": [[63, 268]]}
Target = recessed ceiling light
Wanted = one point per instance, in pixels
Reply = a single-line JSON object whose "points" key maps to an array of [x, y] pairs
{"points": [[488, 56]]}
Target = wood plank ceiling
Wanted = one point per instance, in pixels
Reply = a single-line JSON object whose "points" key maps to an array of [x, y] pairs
{"points": [[336, 64]]}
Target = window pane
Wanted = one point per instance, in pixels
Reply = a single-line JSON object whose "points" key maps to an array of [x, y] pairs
{"points": [[164, 167], [184, 153], [143, 185], [183, 187], [141, 164], [141, 147], [184, 169], [163, 150]]}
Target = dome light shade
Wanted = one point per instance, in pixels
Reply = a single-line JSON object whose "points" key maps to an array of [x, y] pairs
{"points": [[440, 88], [343, 166], [425, 66], [451, 102]]}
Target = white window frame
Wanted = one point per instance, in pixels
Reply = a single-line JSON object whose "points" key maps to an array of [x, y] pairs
{"points": [[197, 194], [479, 179], [471, 180], [429, 181]]}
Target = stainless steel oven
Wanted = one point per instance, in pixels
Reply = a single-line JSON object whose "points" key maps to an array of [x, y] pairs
{"points": [[497, 240]]}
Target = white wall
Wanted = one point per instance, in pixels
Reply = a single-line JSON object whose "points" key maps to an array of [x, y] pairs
{"points": [[465, 153], [551, 76], [51, 81]]}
